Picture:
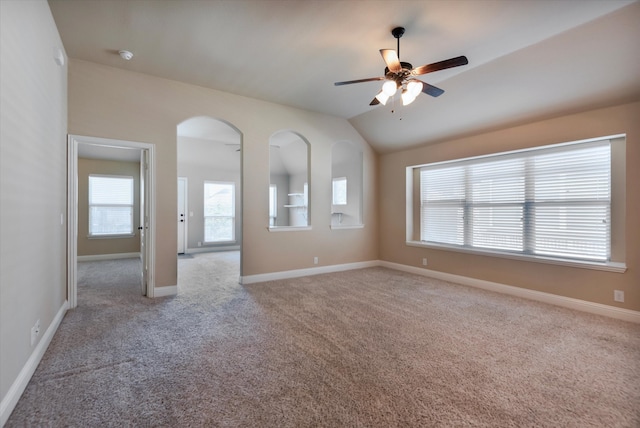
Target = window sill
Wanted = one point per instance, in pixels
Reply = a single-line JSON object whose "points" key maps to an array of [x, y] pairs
{"points": [[351, 226], [616, 267], [288, 228], [123, 236]]}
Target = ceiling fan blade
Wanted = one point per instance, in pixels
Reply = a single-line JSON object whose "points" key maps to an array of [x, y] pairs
{"points": [[434, 91], [391, 59], [348, 82], [441, 65], [374, 102]]}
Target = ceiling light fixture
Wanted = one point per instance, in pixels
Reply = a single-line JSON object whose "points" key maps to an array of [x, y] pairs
{"points": [[411, 92], [126, 55], [389, 89], [399, 74]]}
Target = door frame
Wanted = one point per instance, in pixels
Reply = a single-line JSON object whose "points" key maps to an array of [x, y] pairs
{"points": [[185, 207], [73, 141]]}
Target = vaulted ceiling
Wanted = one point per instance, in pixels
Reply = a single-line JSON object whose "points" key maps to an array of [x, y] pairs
{"points": [[528, 59]]}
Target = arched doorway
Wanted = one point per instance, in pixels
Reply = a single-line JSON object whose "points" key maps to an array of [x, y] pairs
{"points": [[209, 206]]}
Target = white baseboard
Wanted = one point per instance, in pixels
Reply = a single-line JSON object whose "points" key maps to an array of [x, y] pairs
{"points": [[169, 290], [17, 388], [212, 249], [115, 256], [251, 279], [553, 299]]}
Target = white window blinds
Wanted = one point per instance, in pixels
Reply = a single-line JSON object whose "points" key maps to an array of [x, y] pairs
{"points": [[554, 201], [110, 205]]}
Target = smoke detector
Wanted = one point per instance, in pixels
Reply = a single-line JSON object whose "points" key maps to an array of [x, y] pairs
{"points": [[126, 55]]}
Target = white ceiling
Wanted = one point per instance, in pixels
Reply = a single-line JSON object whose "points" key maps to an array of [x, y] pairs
{"points": [[528, 59]]}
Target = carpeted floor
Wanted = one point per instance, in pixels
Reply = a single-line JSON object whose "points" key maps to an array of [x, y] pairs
{"points": [[366, 348]]}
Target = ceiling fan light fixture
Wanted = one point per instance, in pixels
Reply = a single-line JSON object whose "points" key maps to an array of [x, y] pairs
{"points": [[382, 97], [390, 87], [414, 87], [407, 97]]}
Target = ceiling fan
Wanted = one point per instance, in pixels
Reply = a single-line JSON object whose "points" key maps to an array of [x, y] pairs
{"points": [[400, 75]]}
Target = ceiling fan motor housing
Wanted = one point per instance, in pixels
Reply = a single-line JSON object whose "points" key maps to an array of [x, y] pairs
{"points": [[400, 76], [397, 32]]}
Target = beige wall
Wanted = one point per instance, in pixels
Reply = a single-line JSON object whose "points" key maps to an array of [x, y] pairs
{"points": [[96, 246], [112, 103], [197, 174], [586, 284], [33, 94]]}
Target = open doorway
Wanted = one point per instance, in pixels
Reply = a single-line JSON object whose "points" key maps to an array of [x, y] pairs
{"points": [[111, 207], [209, 206]]}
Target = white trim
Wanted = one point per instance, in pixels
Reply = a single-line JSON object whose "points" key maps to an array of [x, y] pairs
{"points": [[119, 236], [72, 208], [212, 249], [272, 276], [353, 226], [185, 180], [72, 221], [288, 228], [527, 150], [553, 299], [169, 290], [114, 256], [583, 264], [20, 384]]}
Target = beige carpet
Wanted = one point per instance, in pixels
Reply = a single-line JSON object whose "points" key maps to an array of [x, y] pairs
{"points": [[366, 348]]}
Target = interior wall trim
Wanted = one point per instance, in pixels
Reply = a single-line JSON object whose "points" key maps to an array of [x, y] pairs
{"points": [[272, 276], [20, 384], [213, 249], [114, 256], [553, 299], [168, 290]]}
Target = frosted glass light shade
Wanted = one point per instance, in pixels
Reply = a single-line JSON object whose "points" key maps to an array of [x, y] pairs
{"points": [[382, 97], [414, 87], [407, 97], [390, 87]]}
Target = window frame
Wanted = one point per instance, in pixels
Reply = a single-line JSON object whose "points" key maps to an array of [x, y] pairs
{"points": [[616, 261], [273, 205], [334, 181], [232, 216], [90, 233]]}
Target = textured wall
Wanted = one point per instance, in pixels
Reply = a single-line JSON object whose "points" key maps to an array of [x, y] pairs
{"points": [[112, 103], [586, 284], [33, 168], [97, 246]]}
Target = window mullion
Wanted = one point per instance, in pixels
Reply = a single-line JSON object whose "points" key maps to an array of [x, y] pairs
{"points": [[468, 209]]}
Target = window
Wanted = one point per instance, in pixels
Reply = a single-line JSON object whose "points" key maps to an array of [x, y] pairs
{"points": [[110, 205], [551, 202], [219, 211], [340, 191], [273, 205]]}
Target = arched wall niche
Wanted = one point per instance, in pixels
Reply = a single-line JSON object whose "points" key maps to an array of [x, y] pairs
{"points": [[289, 184], [347, 185]]}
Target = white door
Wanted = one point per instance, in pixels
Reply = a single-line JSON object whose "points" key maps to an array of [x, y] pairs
{"points": [[182, 215], [144, 218]]}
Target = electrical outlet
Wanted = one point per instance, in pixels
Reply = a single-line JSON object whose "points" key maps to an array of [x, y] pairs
{"points": [[424, 261], [199, 244], [315, 260], [35, 332], [618, 295]]}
